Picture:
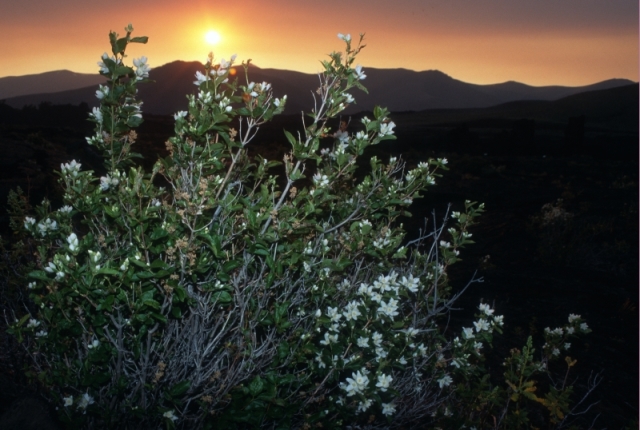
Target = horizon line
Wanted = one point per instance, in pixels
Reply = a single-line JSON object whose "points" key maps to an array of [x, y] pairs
{"points": [[252, 64]]}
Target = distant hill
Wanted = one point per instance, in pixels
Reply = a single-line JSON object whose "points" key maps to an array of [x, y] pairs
{"points": [[612, 108], [49, 82], [397, 89]]}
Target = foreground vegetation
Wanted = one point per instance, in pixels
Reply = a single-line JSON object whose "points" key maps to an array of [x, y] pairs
{"points": [[208, 292]]}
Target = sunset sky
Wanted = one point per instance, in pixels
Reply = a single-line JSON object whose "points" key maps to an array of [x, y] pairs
{"points": [[538, 42]]}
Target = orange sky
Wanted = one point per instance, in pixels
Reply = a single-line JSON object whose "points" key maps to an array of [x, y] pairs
{"points": [[538, 42]]}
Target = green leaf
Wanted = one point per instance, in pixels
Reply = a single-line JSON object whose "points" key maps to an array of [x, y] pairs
{"points": [[231, 265], [39, 274], [139, 39], [221, 297], [151, 303], [159, 264], [176, 312], [398, 324], [124, 71], [108, 272], [179, 389], [142, 275], [256, 386], [121, 45], [159, 317], [292, 140], [179, 293]]}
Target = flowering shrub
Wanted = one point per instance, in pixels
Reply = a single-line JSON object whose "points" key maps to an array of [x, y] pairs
{"points": [[229, 297]]}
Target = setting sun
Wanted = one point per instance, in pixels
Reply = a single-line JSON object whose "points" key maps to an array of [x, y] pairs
{"points": [[212, 37]]}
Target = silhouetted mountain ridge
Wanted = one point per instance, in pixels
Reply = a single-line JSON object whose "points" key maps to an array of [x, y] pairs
{"points": [[48, 82], [397, 89]]}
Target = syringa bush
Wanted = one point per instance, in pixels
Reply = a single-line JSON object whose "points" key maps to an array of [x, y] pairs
{"points": [[212, 293]]}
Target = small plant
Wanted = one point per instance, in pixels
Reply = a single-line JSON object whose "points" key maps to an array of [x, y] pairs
{"points": [[230, 297]]}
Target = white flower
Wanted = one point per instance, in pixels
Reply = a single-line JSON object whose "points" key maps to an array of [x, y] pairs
{"points": [[555, 352], [72, 168], [94, 344], [567, 345], [359, 73], [180, 115], [68, 401], [346, 38], [205, 96], [102, 92], [498, 320], [142, 68], [329, 339], [381, 352], [73, 242], [97, 114], [320, 180], [573, 317], [356, 384], [33, 323], [412, 284], [390, 308], [486, 309], [363, 406], [388, 409], [47, 225], [333, 314], [352, 312], [95, 256], [363, 342], [29, 222], [422, 349], [481, 324], [65, 209], [41, 333], [318, 358], [102, 65], [467, 333], [376, 297], [377, 338], [570, 330], [31, 285], [384, 381], [342, 136], [107, 182], [51, 267], [348, 98], [200, 78], [85, 401], [264, 86], [365, 289], [307, 267], [584, 327], [280, 102], [318, 313], [386, 128], [170, 415], [445, 381]]}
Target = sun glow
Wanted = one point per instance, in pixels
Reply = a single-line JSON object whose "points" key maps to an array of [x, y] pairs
{"points": [[212, 37]]}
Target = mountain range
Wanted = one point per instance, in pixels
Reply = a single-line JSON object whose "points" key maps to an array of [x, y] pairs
{"points": [[397, 89]]}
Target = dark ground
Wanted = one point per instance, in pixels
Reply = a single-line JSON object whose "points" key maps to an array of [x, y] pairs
{"points": [[536, 274]]}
